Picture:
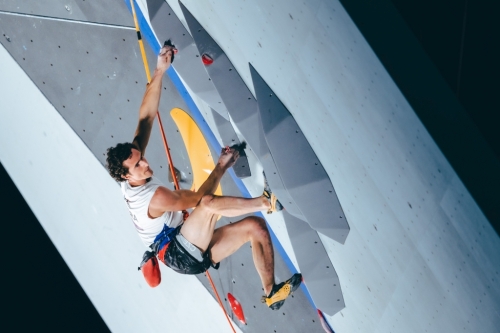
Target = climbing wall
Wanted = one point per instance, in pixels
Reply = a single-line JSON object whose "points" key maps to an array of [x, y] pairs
{"points": [[420, 255]]}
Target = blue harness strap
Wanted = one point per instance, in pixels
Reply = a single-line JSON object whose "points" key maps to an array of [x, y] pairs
{"points": [[162, 238]]}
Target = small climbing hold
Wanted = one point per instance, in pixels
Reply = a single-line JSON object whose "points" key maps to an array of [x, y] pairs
{"points": [[206, 59], [236, 307], [169, 43]]}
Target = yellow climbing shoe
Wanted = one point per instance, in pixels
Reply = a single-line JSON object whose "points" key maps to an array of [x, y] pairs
{"points": [[281, 291], [275, 204]]}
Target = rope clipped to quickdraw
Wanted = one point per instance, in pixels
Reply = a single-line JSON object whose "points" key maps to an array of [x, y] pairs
{"points": [[167, 149]]}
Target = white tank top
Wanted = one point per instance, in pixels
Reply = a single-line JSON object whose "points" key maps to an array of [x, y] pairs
{"points": [[137, 199]]}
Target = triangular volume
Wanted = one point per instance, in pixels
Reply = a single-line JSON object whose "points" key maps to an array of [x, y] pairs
{"points": [[320, 276], [305, 179]]}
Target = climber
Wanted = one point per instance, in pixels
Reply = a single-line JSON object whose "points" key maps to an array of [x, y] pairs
{"points": [[193, 245]]}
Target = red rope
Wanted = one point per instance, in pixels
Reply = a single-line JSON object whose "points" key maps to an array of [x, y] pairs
{"points": [[167, 150], [169, 157]]}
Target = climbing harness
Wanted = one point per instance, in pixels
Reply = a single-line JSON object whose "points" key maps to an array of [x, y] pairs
{"points": [[167, 150]]}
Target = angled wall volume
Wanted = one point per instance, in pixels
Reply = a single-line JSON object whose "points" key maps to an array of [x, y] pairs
{"points": [[319, 274], [302, 173]]}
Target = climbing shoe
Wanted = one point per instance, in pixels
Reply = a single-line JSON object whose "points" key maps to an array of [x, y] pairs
{"points": [[281, 291], [275, 204]]}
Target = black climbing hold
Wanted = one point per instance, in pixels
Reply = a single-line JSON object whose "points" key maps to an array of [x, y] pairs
{"points": [[168, 42]]}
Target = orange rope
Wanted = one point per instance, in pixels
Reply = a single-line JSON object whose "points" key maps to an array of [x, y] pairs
{"points": [[167, 150]]}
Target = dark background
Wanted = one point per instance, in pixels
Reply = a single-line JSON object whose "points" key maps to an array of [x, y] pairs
{"points": [[462, 39], [40, 293]]}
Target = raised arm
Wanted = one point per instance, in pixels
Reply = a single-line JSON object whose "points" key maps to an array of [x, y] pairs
{"points": [[151, 101], [166, 200]]}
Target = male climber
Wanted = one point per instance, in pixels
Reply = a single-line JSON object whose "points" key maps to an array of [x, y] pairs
{"points": [[191, 246]]}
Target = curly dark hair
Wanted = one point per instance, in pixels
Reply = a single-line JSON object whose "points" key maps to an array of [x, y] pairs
{"points": [[116, 156]]}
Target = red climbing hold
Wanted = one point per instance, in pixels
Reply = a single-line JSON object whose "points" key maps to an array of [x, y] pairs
{"points": [[324, 323], [236, 307], [206, 59]]}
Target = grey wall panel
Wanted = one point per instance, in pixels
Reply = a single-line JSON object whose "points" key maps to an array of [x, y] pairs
{"points": [[107, 12], [242, 107], [187, 61], [94, 77], [229, 138], [303, 174], [319, 274]]}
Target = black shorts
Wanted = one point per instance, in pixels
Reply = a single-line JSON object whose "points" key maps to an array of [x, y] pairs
{"points": [[180, 259]]}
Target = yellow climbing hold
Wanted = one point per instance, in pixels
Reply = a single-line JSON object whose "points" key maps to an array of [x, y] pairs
{"points": [[202, 162]]}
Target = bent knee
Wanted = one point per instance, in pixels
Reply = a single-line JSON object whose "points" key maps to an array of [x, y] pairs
{"points": [[258, 226]]}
